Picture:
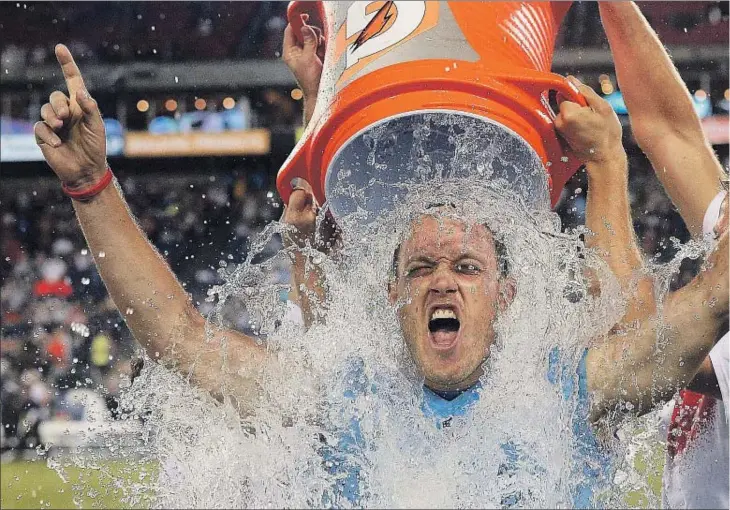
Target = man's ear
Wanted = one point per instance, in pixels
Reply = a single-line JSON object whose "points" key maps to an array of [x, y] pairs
{"points": [[507, 291]]}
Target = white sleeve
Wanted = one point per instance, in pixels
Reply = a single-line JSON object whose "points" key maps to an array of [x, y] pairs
{"points": [[720, 357], [711, 215]]}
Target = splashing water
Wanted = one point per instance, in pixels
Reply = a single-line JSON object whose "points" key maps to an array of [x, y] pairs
{"points": [[339, 420], [343, 415]]}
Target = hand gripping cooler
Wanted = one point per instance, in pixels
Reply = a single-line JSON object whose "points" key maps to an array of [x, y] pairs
{"points": [[416, 90]]}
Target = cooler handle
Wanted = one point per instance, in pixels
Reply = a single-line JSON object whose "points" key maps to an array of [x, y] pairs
{"points": [[543, 83]]}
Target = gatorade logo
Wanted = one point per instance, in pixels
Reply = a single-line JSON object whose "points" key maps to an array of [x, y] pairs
{"points": [[376, 25], [374, 28]]}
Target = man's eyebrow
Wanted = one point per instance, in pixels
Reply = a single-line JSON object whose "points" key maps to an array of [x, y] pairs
{"points": [[420, 258], [472, 255]]}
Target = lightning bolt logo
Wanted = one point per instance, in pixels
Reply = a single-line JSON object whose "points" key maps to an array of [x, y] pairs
{"points": [[376, 25]]}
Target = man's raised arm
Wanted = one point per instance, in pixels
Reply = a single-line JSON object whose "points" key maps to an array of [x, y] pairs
{"points": [[659, 355], [662, 115], [304, 56], [154, 305], [594, 134]]}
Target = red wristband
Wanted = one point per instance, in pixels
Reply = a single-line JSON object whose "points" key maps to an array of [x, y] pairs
{"points": [[91, 191]]}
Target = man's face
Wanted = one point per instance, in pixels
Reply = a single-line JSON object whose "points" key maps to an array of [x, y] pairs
{"points": [[449, 291]]}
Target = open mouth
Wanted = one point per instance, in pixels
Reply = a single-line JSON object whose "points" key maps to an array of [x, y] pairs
{"points": [[443, 327]]}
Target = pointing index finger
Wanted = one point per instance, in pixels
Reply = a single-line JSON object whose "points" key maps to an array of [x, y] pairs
{"points": [[71, 72]]}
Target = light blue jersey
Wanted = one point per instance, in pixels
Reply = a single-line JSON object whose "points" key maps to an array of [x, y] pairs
{"points": [[591, 464], [442, 410]]}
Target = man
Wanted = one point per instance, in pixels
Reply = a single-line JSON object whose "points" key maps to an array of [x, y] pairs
{"points": [[669, 131], [442, 320]]}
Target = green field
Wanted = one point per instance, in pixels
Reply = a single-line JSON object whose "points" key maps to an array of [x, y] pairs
{"points": [[107, 484], [32, 484]]}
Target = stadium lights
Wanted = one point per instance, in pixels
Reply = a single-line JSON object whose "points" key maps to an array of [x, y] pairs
{"points": [[200, 104], [229, 103], [702, 103], [142, 105], [170, 105]]}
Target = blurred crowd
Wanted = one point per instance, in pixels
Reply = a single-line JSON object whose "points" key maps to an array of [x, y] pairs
{"points": [[175, 31], [677, 23], [60, 330], [124, 31], [659, 228]]}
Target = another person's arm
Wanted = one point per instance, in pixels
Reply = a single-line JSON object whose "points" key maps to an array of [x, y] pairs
{"points": [[305, 59], [714, 375], [648, 364], [594, 134], [663, 118], [650, 361], [667, 128], [708, 379], [306, 245], [156, 308]]}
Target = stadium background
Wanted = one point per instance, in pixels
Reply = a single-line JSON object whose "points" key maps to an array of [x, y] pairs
{"points": [[200, 113]]}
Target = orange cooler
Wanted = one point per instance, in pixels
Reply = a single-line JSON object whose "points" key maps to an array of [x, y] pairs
{"points": [[424, 90]]}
